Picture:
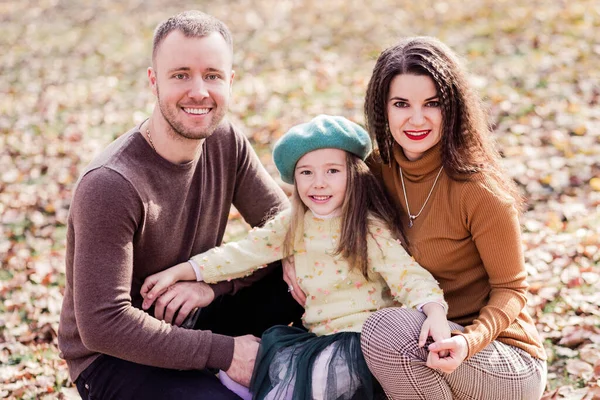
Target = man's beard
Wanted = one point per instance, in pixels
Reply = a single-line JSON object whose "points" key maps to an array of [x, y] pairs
{"points": [[179, 129]]}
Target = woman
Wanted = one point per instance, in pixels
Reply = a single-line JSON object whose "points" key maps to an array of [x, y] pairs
{"points": [[461, 219], [461, 215]]}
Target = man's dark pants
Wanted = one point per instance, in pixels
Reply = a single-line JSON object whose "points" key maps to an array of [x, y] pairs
{"points": [[251, 311]]}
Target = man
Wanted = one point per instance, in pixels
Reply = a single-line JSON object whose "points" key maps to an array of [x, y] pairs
{"points": [[157, 195]]}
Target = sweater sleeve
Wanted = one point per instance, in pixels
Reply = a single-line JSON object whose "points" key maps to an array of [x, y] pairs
{"points": [[409, 283], [257, 196], [233, 260], [105, 214], [494, 226]]}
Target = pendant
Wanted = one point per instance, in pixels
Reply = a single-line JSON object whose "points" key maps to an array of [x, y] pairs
{"points": [[411, 218]]}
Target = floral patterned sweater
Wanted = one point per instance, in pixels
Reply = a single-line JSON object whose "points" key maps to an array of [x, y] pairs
{"points": [[338, 299]]}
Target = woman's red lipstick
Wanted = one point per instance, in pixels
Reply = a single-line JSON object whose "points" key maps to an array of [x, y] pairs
{"points": [[417, 135]]}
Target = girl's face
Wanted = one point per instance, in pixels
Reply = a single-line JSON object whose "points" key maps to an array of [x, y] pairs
{"points": [[320, 178], [414, 114]]}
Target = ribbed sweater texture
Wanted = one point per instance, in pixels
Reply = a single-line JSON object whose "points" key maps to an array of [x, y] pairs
{"points": [[469, 238]]}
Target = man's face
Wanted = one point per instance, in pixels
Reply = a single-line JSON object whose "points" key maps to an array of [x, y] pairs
{"points": [[191, 78]]}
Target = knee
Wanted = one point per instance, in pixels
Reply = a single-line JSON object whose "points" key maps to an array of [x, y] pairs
{"points": [[392, 331]]}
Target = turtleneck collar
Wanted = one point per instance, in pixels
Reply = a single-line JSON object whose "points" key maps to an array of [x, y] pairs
{"points": [[420, 169], [334, 214]]}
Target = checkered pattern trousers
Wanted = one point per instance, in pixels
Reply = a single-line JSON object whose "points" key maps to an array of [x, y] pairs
{"points": [[498, 372]]}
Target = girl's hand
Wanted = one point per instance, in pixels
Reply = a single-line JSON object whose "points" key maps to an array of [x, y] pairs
{"points": [[158, 283], [436, 325], [289, 276], [457, 350]]}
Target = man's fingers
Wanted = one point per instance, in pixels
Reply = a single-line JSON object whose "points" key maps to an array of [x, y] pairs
{"points": [[251, 337], [244, 357], [183, 313], [161, 304], [180, 299], [172, 308]]}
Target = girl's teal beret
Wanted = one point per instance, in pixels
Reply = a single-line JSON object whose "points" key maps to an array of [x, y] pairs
{"points": [[322, 132]]}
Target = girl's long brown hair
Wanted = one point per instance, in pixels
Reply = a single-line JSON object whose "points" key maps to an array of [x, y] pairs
{"points": [[467, 146], [364, 199]]}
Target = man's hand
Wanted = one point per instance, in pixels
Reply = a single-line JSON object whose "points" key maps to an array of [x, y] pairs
{"points": [[289, 276], [244, 356], [457, 349], [181, 299]]}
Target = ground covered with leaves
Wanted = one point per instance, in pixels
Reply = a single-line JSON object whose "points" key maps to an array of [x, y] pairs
{"points": [[74, 78]]}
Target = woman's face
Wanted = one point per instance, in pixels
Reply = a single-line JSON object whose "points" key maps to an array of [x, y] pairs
{"points": [[414, 114]]}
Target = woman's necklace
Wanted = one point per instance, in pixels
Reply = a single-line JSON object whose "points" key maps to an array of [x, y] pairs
{"points": [[412, 217]]}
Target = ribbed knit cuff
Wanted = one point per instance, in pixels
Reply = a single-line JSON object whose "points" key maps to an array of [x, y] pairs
{"points": [[221, 352], [460, 333]]}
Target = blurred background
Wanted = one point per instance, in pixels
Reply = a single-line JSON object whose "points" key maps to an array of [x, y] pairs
{"points": [[73, 78]]}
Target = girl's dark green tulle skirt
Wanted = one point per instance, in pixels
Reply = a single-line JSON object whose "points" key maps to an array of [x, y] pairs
{"points": [[284, 367]]}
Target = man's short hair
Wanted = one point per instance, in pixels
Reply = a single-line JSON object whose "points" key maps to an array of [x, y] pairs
{"points": [[192, 24]]}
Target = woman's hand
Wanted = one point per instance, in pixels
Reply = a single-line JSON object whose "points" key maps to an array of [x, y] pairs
{"points": [[457, 349], [289, 276]]}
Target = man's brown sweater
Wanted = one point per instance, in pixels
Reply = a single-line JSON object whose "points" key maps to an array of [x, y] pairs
{"points": [[134, 214]]}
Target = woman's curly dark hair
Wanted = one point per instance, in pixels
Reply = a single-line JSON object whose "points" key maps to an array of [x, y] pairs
{"points": [[467, 146]]}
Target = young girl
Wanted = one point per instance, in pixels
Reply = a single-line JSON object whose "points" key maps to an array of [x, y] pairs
{"points": [[343, 234]]}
